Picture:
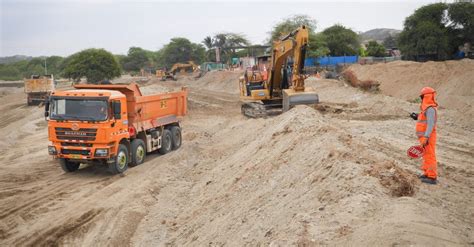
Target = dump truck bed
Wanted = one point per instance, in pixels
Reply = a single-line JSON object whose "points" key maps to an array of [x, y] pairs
{"points": [[41, 85], [148, 111]]}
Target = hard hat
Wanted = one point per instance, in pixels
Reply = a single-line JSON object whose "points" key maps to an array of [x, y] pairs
{"points": [[427, 90]]}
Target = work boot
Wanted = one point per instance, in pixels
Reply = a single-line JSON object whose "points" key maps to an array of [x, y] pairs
{"points": [[422, 176], [428, 180]]}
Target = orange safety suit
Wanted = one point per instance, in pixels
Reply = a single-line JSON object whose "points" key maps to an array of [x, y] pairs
{"points": [[429, 166]]}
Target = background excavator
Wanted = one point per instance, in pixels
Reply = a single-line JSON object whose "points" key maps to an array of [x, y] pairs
{"points": [[180, 68], [263, 95]]}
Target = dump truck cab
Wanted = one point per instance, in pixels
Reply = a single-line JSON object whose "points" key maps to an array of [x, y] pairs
{"points": [[112, 124], [87, 124]]}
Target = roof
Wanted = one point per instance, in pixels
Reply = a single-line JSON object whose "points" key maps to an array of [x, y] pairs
{"points": [[89, 93]]}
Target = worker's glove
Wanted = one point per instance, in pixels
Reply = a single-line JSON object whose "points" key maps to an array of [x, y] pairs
{"points": [[423, 141], [414, 116]]}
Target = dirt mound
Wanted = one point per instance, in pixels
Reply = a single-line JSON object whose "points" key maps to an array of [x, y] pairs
{"points": [[402, 79], [225, 81], [302, 177]]}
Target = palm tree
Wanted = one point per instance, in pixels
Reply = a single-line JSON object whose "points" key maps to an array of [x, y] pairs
{"points": [[225, 42]]}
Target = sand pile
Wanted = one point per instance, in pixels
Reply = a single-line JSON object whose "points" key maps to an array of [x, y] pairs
{"points": [[454, 80], [301, 174], [225, 81]]}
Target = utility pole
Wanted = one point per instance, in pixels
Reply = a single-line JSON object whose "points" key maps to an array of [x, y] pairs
{"points": [[218, 54], [45, 68]]}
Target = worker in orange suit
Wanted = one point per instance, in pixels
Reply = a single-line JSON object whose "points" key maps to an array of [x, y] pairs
{"points": [[426, 133]]}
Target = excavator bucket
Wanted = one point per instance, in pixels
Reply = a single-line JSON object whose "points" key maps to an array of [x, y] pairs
{"points": [[292, 97]]}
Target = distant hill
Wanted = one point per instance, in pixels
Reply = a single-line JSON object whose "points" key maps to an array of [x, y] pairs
{"points": [[378, 34], [13, 59]]}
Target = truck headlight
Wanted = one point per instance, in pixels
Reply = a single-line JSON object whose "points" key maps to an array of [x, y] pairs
{"points": [[52, 150], [101, 152]]}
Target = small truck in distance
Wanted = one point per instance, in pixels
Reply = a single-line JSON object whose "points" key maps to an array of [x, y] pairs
{"points": [[114, 125], [38, 88]]}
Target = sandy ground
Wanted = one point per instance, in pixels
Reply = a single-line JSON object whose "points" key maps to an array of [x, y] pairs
{"points": [[334, 174]]}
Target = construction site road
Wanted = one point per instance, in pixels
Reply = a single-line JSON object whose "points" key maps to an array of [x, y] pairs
{"points": [[335, 174]]}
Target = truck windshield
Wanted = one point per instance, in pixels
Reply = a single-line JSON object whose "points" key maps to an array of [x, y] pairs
{"points": [[79, 109]]}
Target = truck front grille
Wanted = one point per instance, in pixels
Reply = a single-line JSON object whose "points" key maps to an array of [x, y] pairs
{"points": [[85, 134], [72, 151]]}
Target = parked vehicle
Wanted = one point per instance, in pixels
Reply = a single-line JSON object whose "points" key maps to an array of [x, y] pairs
{"points": [[114, 125]]}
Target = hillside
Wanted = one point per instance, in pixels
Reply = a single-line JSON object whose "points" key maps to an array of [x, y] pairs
{"points": [[14, 59], [378, 34]]}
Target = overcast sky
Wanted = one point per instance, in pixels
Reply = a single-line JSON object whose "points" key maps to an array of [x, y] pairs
{"points": [[64, 27]]}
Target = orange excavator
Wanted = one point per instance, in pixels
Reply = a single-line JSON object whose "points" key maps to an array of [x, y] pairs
{"points": [[284, 87], [180, 68]]}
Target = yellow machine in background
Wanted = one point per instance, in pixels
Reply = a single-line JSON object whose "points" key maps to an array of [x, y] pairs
{"points": [[177, 68], [263, 97]]}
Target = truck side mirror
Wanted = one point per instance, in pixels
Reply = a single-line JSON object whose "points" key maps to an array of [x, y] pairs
{"points": [[46, 108], [117, 109]]}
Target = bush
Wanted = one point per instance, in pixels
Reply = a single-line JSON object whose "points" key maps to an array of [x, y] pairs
{"points": [[367, 85]]}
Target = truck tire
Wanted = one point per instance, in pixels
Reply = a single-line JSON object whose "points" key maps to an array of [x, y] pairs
{"points": [[68, 166], [120, 163], [166, 142], [176, 137], [138, 152]]}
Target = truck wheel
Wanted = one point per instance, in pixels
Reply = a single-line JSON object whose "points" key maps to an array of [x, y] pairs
{"points": [[176, 137], [166, 142], [68, 166], [138, 152], [121, 160]]}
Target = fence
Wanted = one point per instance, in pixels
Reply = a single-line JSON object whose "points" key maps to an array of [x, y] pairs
{"points": [[330, 61], [372, 60]]}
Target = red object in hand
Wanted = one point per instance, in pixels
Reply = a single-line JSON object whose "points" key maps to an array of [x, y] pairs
{"points": [[415, 152]]}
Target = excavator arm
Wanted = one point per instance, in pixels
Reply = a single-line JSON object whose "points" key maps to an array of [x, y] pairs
{"points": [[294, 45]]}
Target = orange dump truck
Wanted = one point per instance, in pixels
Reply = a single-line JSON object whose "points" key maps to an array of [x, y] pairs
{"points": [[114, 125]]}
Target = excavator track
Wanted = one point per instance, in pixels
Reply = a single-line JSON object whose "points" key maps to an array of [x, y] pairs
{"points": [[259, 110]]}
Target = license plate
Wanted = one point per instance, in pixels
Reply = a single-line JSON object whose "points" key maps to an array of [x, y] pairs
{"points": [[76, 156]]}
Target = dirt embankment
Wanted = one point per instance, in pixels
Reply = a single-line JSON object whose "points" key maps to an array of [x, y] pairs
{"points": [[454, 81], [335, 174]]}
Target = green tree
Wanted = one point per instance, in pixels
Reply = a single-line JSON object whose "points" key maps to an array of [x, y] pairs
{"points": [[375, 49], [53, 65], [34, 67], [136, 59], [390, 41], [437, 30], [181, 50], [461, 27], [425, 38], [341, 41], [9, 72], [94, 64], [289, 24], [318, 46]]}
